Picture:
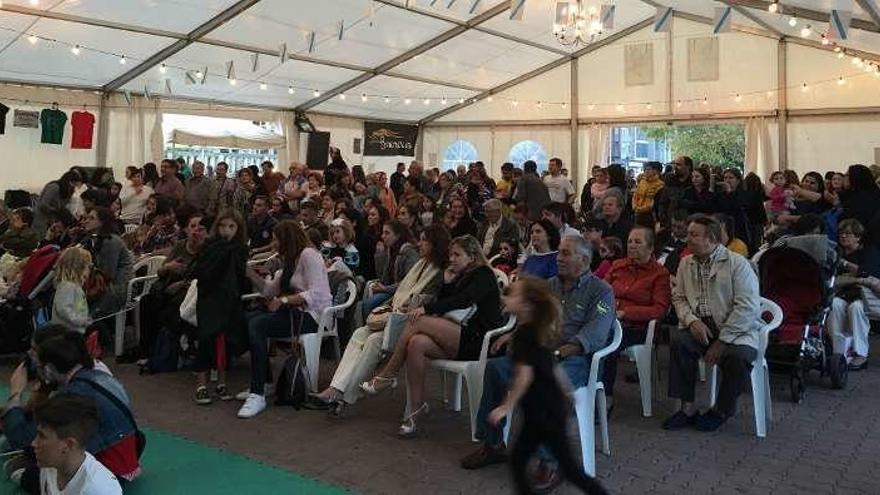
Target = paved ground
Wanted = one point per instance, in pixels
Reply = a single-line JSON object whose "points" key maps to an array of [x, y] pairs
{"points": [[828, 444]]}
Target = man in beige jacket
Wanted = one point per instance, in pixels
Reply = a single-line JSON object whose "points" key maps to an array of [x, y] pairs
{"points": [[717, 299]]}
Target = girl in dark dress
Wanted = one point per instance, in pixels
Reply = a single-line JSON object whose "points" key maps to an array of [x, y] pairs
{"points": [[535, 386]]}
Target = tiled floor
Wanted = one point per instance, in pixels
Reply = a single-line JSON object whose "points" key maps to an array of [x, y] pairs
{"points": [[828, 444]]}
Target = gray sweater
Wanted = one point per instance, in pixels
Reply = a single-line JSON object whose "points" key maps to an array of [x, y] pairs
{"points": [[69, 307]]}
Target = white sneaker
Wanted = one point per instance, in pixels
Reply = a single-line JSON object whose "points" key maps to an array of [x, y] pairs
{"points": [[255, 404], [268, 391]]}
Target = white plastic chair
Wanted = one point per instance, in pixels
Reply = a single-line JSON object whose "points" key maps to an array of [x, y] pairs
{"points": [[585, 401], [760, 375], [137, 288], [471, 372], [643, 355], [503, 280], [327, 327]]}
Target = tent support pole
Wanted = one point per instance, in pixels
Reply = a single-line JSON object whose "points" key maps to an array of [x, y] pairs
{"points": [[574, 167], [782, 102], [103, 131]]}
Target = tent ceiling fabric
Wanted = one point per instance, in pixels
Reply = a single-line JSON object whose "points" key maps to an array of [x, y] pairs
{"points": [[376, 31]]}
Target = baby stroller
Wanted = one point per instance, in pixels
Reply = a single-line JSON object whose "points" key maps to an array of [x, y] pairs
{"points": [[29, 306], [798, 275]]}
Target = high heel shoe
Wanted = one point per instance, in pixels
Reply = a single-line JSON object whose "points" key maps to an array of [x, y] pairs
{"points": [[379, 384], [408, 428]]}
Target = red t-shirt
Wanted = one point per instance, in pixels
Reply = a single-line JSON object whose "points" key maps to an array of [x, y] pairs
{"points": [[83, 124]]}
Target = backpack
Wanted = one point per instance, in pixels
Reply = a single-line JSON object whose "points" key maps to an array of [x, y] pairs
{"points": [[166, 353], [293, 381]]}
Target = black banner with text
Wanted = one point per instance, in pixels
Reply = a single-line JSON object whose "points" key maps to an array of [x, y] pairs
{"points": [[387, 139]]}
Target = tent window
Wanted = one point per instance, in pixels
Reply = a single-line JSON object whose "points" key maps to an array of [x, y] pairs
{"points": [[460, 152], [528, 150]]}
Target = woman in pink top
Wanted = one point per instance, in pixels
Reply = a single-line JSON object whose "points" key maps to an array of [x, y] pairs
{"points": [[296, 295]]}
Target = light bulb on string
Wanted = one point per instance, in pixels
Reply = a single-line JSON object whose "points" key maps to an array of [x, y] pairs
{"points": [[407, 101], [122, 60], [387, 100], [461, 101], [75, 50], [539, 105], [825, 40], [806, 31], [427, 101], [490, 99], [792, 21], [705, 100], [32, 39], [290, 90], [514, 103], [200, 74], [233, 81], [805, 88], [443, 101], [838, 49], [856, 61], [564, 105], [364, 97], [840, 55], [619, 107], [649, 106], [678, 103], [841, 81], [163, 69], [316, 93], [738, 98], [342, 96], [264, 86], [773, 7], [35, 2], [591, 107]]}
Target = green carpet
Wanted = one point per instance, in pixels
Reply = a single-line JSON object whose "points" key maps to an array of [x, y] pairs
{"points": [[174, 465]]}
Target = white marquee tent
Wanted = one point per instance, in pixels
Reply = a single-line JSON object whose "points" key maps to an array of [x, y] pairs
{"points": [[464, 70]]}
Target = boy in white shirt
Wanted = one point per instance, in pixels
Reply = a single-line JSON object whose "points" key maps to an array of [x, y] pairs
{"points": [[64, 424]]}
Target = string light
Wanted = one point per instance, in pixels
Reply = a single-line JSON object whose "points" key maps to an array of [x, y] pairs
{"points": [[443, 101], [35, 2], [200, 74], [805, 88], [705, 100], [163, 69], [264, 86], [856, 61], [33, 39], [841, 81], [619, 107], [427, 101], [539, 105], [564, 104], [591, 107], [407, 101], [773, 7], [840, 55], [342, 96], [514, 103], [825, 40], [460, 101], [316, 93], [122, 60], [792, 21], [806, 31], [364, 97], [648, 106], [738, 98], [75, 50], [490, 99], [387, 99], [233, 81], [290, 90], [678, 103], [837, 49]]}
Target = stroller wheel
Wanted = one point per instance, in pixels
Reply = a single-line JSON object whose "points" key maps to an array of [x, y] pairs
{"points": [[797, 388], [837, 370]]}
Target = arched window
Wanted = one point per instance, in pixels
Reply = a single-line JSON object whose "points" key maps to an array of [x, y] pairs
{"points": [[460, 152], [528, 150]]}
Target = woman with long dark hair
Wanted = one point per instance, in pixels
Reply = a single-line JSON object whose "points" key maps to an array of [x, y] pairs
{"points": [[395, 256], [699, 197], [108, 284], [297, 295], [54, 197], [861, 197], [151, 174], [734, 201]]}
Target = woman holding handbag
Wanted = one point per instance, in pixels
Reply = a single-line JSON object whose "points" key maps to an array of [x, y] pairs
{"points": [[860, 268], [297, 294], [432, 333], [365, 346]]}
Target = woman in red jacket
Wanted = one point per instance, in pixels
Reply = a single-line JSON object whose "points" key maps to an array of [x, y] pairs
{"points": [[642, 293]]}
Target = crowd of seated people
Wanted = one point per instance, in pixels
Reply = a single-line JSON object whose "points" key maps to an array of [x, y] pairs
{"points": [[425, 247]]}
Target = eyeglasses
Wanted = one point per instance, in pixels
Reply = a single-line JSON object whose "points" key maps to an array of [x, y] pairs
{"points": [[848, 234]]}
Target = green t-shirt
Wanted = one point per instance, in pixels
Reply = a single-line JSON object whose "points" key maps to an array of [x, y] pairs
{"points": [[53, 126]]}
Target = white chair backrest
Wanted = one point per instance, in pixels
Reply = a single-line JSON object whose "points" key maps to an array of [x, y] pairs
{"points": [[601, 353], [768, 306], [503, 281], [152, 264]]}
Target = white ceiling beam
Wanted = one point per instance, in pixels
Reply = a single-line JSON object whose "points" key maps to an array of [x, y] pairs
{"points": [[482, 29], [541, 70], [805, 13], [752, 17], [408, 55], [708, 20], [211, 24], [870, 7]]}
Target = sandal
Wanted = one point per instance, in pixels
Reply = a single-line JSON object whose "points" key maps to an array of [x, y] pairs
{"points": [[408, 428], [379, 384]]}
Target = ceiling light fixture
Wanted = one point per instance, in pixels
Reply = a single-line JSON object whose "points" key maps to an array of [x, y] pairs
{"points": [[290, 90], [773, 8], [163, 69], [32, 38], [75, 50]]}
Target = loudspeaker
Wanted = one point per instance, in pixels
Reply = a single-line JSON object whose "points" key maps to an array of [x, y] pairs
{"points": [[356, 149], [318, 154]]}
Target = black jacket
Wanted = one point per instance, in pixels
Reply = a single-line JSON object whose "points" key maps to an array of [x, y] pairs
{"points": [[220, 270]]}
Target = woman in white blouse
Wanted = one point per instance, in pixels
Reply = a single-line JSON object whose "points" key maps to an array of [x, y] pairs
{"points": [[296, 295]]}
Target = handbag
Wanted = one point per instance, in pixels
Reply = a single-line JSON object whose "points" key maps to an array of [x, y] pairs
{"points": [[378, 317], [188, 312], [461, 316]]}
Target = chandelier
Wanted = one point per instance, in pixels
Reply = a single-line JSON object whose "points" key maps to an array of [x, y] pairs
{"points": [[577, 24]]}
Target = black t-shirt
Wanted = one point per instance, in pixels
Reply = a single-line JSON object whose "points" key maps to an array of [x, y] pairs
{"points": [[260, 232], [544, 399], [3, 111]]}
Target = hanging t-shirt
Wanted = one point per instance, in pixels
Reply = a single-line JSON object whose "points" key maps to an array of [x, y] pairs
{"points": [[83, 124], [3, 111], [53, 125]]}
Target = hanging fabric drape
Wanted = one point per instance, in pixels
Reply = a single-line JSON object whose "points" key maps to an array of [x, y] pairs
{"points": [[290, 152], [157, 138], [758, 149], [254, 139], [597, 145]]}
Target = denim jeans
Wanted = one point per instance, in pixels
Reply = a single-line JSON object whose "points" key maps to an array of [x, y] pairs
{"points": [[496, 381], [263, 326]]}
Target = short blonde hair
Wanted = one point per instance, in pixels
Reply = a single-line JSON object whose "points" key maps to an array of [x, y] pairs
{"points": [[73, 265], [343, 225]]}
